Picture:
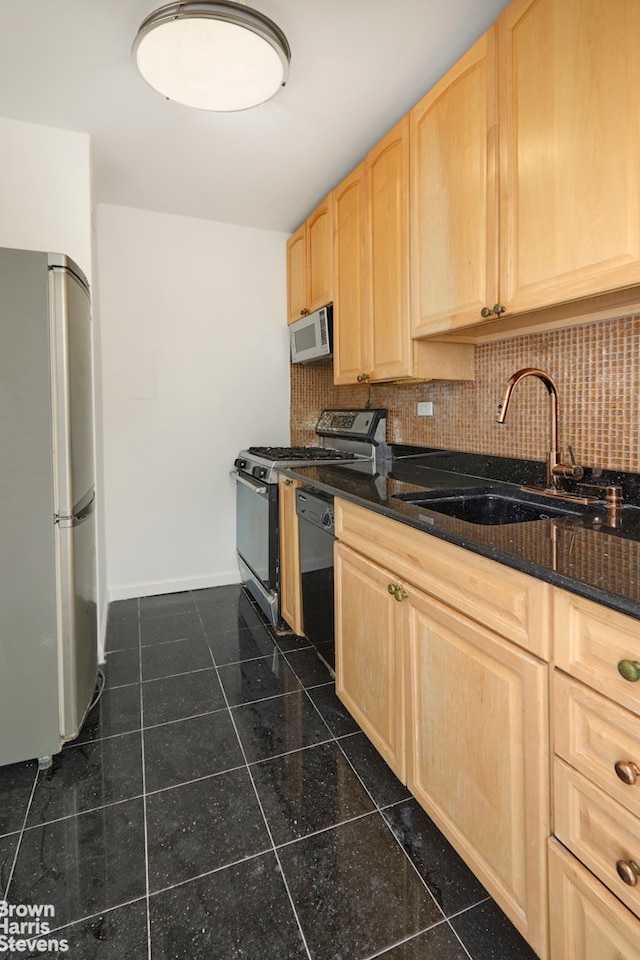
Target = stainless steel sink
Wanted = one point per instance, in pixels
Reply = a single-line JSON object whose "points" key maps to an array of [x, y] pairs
{"points": [[487, 507]]}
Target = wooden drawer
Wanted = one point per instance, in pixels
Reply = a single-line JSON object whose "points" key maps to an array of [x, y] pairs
{"points": [[586, 922], [516, 606], [597, 830], [589, 642], [593, 734]]}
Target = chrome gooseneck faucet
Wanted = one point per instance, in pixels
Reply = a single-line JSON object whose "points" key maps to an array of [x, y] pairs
{"points": [[556, 471]]}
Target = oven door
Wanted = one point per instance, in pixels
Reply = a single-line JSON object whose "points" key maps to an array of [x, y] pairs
{"points": [[257, 540]]}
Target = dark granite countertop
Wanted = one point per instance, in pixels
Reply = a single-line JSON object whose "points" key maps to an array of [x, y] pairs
{"points": [[579, 553]]}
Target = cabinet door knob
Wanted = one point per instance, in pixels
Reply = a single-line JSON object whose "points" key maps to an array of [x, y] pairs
{"points": [[494, 311], [627, 771], [304, 312], [363, 377], [630, 670], [396, 591], [629, 871]]}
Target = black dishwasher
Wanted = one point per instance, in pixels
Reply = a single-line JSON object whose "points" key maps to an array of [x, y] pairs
{"points": [[316, 525]]}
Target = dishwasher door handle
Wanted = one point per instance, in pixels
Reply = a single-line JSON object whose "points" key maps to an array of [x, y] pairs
{"points": [[261, 491]]}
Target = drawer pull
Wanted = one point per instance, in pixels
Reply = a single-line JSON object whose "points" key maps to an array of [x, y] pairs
{"points": [[627, 771], [629, 871], [630, 670]]}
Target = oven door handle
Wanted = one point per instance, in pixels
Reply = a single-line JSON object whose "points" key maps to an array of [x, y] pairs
{"points": [[261, 491]]}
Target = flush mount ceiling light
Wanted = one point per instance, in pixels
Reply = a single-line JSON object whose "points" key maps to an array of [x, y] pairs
{"points": [[212, 55]]}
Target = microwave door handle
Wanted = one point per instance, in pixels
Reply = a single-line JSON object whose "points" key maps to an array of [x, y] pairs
{"points": [[247, 483]]}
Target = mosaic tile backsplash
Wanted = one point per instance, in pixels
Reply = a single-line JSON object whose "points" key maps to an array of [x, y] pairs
{"points": [[596, 368]]}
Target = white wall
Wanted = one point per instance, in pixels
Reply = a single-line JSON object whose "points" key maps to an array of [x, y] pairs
{"points": [[194, 368], [45, 190]]}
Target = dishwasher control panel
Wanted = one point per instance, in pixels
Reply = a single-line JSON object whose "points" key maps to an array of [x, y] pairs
{"points": [[316, 508]]}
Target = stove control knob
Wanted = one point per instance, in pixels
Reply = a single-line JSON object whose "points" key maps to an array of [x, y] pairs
{"points": [[239, 463], [259, 472]]}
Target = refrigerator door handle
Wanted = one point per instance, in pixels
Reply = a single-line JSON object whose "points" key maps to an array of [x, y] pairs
{"points": [[80, 515]]}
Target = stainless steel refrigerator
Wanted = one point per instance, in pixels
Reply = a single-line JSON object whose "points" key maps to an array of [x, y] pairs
{"points": [[48, 635]]}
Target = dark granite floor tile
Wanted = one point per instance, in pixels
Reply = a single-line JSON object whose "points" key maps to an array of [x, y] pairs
{"points": [[117, 711], [233, 616], [122, 667], [188, 749], [87, 776], [271, 727], [188, 695], [256, 679], [84, 864], [218, 596], [166, 603], [488, 935], [334, 713], [171, 626], [438, 943], [123, 634], [178, 656], [291, 642], [123, 609], [7, 853], [16, 784], [309, 790], [355, 891], [239, 913], [238, 644], [309, 668], [380, 781], [449, 879], [112, 935], [198, 827]]}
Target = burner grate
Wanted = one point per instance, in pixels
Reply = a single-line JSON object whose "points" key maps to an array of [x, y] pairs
{"points": [[300, 453]]}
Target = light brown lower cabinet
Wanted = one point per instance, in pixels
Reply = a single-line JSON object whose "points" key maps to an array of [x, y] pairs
{"points": [[290, 584], [586, 921], [460, 712]]}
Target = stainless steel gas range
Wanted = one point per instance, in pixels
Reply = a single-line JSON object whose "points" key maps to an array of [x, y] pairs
{"points": [[344, 436]]}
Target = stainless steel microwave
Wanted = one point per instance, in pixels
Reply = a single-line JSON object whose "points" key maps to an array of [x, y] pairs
{"points": [[312, 336]]}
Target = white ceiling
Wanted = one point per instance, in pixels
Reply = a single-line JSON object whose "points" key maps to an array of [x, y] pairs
{"points": [[357, 66]]}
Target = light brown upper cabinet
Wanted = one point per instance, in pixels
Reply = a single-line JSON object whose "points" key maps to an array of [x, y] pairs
{"points": [[372, 333], [310, 264], [562, 153], [350, 329], [454, 209], [569, 88]]}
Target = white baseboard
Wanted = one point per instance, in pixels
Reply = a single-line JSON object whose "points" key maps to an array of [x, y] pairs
{"points": [[153, 588]]}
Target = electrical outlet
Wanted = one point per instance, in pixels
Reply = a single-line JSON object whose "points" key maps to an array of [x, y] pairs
{"points": [[425, 409]]}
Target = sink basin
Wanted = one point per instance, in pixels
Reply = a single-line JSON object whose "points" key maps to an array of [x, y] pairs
{"points": [[488, 508]]}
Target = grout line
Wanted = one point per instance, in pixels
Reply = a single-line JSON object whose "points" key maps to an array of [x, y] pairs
{"points": [[22, 830], [144, 791], [266, 823]]}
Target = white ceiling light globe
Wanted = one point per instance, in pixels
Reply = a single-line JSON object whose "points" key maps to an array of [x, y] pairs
{"points": [[213, 56]]}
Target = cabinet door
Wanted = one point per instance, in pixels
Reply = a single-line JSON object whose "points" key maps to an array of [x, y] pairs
{"points": [[586, 921], [454, 243], [297, 274], [319, 257], [350, 321], [388, 199], [570, 149], [370, 653], [290, 577], [479, 756]]}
